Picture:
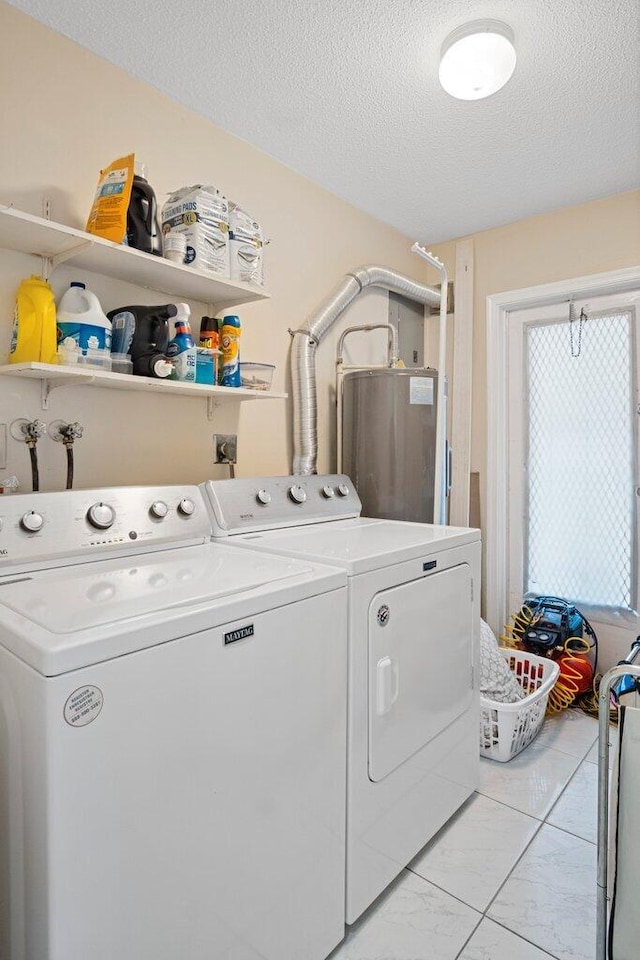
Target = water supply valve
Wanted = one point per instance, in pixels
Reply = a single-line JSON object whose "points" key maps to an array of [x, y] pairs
{"points": [[225, 448], [65, 433], [28, 430]]}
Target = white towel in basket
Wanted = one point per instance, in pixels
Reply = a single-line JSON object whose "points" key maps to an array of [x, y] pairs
{"points": [[497, 682]]}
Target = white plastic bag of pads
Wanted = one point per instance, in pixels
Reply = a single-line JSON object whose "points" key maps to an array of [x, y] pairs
{"points": [[202, 215], [246, 246]]}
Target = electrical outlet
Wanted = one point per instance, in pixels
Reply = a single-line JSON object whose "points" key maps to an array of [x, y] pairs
{"points": [[225, 448]]}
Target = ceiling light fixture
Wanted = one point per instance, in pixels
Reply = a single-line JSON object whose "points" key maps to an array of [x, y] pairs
{"points": [[477, 59]]}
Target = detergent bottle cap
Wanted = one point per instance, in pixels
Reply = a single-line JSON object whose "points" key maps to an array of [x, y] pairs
{"points": [[162, 367], [140, 169]]}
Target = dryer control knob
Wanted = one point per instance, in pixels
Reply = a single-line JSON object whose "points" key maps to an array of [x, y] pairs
{"points": [[263, 497], [101, 515], [343, 490], [159, 509], [186, 507], [297, 494], [32, 522], [327, 492]]}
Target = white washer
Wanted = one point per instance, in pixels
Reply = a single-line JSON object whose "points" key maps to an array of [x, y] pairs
{"points": [[172, 736], [414, 620]]}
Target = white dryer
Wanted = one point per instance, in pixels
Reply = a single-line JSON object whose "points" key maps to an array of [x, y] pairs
{"points": [[172, 736], [414, 620]]}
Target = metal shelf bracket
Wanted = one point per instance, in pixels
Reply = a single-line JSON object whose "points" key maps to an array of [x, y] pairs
{"points": [[212, 405], [47, 386], [69, 254]]}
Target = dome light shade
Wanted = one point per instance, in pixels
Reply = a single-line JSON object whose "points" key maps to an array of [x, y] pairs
{"points": [[477, 59]]}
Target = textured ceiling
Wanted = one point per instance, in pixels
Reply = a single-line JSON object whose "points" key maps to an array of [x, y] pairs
{"points": [[347, 93]]}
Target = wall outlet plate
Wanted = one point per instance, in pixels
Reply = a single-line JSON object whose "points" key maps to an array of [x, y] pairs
{"points": [[225, 448]]}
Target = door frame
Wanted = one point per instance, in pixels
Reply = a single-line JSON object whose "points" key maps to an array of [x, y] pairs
{"points": [[496, 532]]}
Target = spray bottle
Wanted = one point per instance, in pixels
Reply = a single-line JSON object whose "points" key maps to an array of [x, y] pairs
{"points": [[182, 349], [230, 337]]}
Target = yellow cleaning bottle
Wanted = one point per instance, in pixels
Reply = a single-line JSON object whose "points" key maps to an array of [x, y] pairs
{"points": [[34, 326]]}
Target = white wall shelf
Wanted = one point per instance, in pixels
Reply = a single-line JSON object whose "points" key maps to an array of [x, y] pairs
{"points": [[58, 243], [53, 376]]}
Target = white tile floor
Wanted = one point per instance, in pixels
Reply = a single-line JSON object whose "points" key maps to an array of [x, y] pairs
{"points": [[512, 876]]}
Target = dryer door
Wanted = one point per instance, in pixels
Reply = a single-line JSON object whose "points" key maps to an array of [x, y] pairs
{"points": [[420, 664]]}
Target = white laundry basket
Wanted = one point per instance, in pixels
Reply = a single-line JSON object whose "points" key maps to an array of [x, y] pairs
{"points": [[507, 728]]}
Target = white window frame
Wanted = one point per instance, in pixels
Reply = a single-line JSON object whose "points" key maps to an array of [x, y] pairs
{"points": [[499, 306], [520, 322]]}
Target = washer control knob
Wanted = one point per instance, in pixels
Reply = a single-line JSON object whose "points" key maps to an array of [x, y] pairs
{"points": [[297, 494], [327, 492], [343, 490], [263, 497], [101, 515], [186, 507], [159, 509], [32, 522]]}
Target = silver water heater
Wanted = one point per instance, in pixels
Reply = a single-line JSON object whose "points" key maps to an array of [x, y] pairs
{"points": [[389, 420]]}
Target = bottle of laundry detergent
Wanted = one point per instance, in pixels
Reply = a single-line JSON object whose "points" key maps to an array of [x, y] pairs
{"points": [[182, 349], [230, 340], [143, 229], [83, 328], [33, 339]]}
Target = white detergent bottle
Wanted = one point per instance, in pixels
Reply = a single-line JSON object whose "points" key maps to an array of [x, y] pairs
{"points": [[83, 328]]}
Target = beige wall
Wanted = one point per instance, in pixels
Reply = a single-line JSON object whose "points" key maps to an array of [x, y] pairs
{"points": [[65, 114], [70, 113], [572, 242]]}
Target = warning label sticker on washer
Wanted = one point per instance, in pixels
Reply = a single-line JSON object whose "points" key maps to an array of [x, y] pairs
{"points": [[421, 390], [83, 706]]}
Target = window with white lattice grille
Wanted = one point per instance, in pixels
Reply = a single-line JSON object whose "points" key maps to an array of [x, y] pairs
{"points": [[579, 498]]}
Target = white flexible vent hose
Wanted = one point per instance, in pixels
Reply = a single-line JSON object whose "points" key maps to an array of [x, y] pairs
{"points": [[306, 340]]}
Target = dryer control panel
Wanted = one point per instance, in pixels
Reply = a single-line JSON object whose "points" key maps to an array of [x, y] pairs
{"points": [[45, 529], [268, 503]]}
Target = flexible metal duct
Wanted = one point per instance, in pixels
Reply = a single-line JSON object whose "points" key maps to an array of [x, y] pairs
{"points": [[307, 339]]}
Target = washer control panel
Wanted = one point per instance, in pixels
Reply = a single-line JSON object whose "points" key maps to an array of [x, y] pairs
{"points": [[40, 529], [268, 503]]}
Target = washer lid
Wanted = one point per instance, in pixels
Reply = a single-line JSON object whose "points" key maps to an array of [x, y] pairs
{"points": [[362, 544], [59, 620]]}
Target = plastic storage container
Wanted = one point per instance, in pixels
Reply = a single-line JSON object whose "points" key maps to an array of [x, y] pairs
{"points": [[507, 728], [121, 363], [174, 247], [95, 358], [256, 376]]}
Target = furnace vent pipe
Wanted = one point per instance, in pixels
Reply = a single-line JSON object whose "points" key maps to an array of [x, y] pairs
{"points": [[442, 450], [308, 338]]}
